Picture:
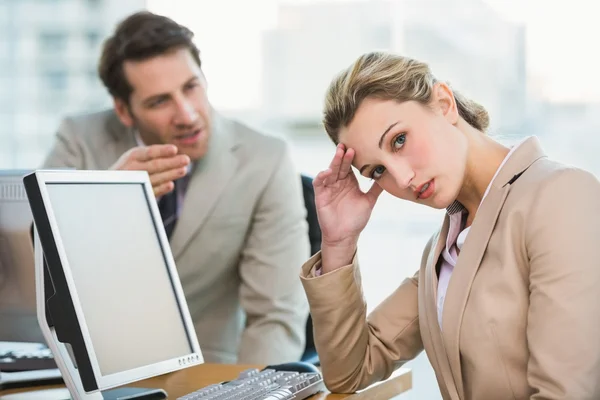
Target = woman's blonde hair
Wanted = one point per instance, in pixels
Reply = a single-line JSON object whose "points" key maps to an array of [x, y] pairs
{"points": [[387, 76]]}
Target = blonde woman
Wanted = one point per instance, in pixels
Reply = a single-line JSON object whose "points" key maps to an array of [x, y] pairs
{"points": [[506, 302]]}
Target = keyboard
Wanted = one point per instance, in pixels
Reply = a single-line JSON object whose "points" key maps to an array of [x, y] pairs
{"points": [[15, 356], [23, 379], [268, 384]]}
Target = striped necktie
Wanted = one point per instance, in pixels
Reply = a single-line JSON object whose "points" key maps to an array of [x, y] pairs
{"points": [[168, 207]]}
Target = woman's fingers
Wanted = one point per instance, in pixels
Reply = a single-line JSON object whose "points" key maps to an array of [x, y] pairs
{"points": [[346, 165], [336, 164], [319, 180], [339, 168]]}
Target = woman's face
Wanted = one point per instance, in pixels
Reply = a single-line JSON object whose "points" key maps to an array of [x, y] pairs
{"points": [[412, 151]]}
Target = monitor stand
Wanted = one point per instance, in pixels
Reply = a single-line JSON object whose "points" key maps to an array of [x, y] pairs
{"points": [[61, 354]]}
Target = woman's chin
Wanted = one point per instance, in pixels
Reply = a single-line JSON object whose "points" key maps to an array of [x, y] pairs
{"points": [[440, 202]]}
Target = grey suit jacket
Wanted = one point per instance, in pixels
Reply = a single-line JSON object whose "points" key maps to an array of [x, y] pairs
{"points": [[521, 318], [239, 240]]}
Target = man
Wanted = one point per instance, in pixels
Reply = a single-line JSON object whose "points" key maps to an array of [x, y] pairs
{"points": [[230, 198]]}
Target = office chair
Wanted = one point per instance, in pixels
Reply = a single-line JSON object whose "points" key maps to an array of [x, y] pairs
{"points": [[314, 233]]}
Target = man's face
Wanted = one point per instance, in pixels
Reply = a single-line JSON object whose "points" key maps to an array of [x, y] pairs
{"points": [[168, 103]]}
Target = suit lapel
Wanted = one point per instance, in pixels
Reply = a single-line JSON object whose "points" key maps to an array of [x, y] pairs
{"points": [[209, 178], [434, 338], [464, 274], [474, 248]]}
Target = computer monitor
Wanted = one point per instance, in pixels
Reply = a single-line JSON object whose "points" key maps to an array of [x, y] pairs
{"points": [[110, 306], [18, 320]]}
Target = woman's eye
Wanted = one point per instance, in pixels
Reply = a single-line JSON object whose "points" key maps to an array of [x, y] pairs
{"points": [[399, 141], [377, 172]]}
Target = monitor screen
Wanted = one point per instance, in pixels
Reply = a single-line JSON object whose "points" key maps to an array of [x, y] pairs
{"points": [[18, 319], [120, 274]]}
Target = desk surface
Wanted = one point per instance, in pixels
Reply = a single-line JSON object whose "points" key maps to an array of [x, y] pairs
{"points": [[188, 380]]}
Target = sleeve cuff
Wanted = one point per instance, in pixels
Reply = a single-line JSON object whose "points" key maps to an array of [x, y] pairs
{"points": [[324, 290], [312, 268]]}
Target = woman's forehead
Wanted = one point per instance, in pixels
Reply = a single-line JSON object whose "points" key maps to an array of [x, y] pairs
{"points": [[374, 116]]}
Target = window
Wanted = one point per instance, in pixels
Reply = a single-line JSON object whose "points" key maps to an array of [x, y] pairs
{"points": [[93, 38], [56, 80], [94, 3], [50, 42], [92, 77]]}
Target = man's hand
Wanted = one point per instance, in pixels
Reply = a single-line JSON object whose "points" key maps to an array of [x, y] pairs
{"points": [[161, 161]]}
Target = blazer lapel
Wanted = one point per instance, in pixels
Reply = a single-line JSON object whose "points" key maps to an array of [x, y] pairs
{"points": [[474, 248], [209, 178], [428, 307], [464, 273]]}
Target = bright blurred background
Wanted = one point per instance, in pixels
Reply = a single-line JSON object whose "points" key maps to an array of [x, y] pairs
{"points": [[532, 63]]}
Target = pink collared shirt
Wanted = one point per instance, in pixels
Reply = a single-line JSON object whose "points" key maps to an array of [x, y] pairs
{"points": [[454, 242]]}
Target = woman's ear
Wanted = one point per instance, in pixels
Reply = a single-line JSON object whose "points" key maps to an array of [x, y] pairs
{"points": [[444, 100]]}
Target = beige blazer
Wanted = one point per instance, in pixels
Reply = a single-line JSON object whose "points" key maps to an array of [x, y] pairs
{"points": [[521, 318], [239, 239]]}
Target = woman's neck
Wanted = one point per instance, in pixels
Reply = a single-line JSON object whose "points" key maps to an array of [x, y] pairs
{"points": [[483, 160]]}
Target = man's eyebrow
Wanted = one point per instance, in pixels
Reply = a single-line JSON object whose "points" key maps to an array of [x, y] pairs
{"points": [[161, 96], [156, 97], [192, 79]]}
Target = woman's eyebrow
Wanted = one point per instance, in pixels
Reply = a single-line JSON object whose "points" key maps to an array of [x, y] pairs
{"points": [[386, 132]]}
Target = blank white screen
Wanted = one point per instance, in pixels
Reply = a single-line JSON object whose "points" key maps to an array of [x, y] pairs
{"points": [[120, 274]]}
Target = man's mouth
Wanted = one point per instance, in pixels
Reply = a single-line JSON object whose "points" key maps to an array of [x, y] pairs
{"points": [[189, 138]]}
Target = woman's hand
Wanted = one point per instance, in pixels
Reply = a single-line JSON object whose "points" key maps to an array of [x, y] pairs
{"points": [[343, 209]]}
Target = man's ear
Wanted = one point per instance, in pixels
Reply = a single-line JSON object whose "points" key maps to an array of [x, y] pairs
{"points": [[122, 110], [444, 99]]}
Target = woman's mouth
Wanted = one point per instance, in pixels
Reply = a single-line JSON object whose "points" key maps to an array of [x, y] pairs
{"points": [[426, 190]]}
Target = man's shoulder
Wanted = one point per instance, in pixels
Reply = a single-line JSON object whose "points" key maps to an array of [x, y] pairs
{"points": [[256, 143], [92, 116], [91, 125]]}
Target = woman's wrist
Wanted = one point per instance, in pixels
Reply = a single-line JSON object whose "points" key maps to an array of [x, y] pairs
{"points": [[337, 255]]}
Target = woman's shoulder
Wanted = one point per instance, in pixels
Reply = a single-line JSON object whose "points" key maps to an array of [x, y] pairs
{"points": [[553, 195], [550, 177]]}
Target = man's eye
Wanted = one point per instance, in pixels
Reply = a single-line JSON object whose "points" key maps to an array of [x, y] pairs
{"points": [[157, 102], [191, 86]]}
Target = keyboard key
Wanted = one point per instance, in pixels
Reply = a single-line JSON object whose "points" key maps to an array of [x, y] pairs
{"points": [[269, 384]]}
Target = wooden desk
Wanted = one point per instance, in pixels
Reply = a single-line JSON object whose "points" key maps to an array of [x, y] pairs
{"points": [[182, 382]]}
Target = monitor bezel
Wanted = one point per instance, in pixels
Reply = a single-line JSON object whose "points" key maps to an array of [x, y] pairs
{"points": [[108, 381]]}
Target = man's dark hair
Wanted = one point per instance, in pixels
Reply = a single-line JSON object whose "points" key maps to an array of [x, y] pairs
{"points": [[140, 36]]}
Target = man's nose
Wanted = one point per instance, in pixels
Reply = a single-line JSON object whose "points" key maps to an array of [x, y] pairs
{"points": [[186, 113]]}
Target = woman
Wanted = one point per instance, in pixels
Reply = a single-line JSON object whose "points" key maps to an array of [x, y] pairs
{"points": [[506, 302]]}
